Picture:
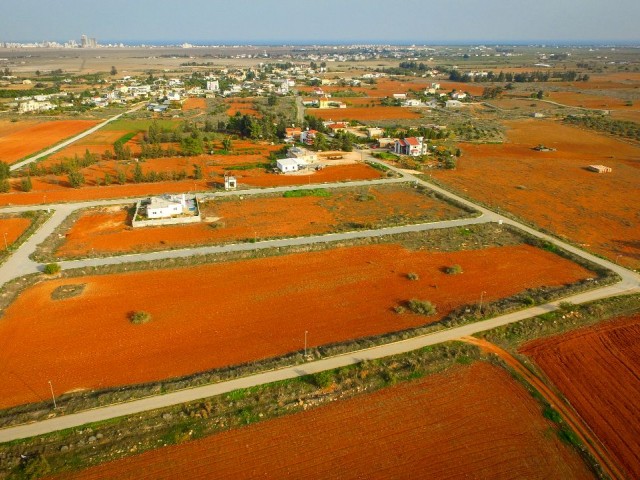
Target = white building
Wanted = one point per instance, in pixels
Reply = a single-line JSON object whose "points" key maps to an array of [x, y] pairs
{"points": [[166, 206], [288, 165], [453, 104], [213, 85]]}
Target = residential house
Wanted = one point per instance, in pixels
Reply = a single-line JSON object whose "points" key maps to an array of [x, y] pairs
{"points": [[166, 206], [289, 165], [375, 132], [413, 146]]}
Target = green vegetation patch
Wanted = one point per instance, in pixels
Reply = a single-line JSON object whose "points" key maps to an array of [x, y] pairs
{"points": [[313, 192], [68, 291]]}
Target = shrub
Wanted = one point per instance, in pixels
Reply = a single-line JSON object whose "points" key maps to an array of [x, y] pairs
{"points": [[140, 317], [413, 276], [421, 307], [26, 184], [399, 309], [453, 270], [52, 268], [322, 379], [76, 179], [5, 186]]}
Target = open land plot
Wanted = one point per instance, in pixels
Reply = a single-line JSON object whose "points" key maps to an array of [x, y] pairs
{"points": [[598, 370], [577, 99], [194, 103], [98, 142], [25, 141], [229, 313], [107, 230], [364, 114], [11, 227], [553, 189], [438, 427], [253, 172], [246, 106]]}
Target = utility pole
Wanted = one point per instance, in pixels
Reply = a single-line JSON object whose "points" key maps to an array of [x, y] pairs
{"points": [[305, 344], [481, 297], [53, 396], [6, 247]]}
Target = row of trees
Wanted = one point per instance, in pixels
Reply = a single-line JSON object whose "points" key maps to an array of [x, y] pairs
{"points": [[521, 77]]}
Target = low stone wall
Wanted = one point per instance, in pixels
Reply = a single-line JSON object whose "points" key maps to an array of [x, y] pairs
{"points": [[165, 221]]}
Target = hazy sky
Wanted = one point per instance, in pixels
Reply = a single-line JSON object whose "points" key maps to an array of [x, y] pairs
{"points": [[335, 21]]}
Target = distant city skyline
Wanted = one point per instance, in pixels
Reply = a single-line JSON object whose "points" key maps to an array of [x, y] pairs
{"points": [[324, 21]]}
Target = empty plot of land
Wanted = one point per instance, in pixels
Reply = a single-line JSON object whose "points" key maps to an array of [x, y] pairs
{"points": [[25, 141], [108, 230], [471, 422], [598, 369], [363, 113], [554, 190], [11, 227], [229, 313]]}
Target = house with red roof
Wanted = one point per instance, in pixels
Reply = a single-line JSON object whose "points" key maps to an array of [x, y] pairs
{"points": [[413, 146]]}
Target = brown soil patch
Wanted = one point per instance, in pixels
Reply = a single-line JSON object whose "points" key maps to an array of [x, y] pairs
{"points": [[19, 144], [336, 173], [553, 189], [8, 127], [194, 103], [12, 228], [107, 231], [363, 113], [438, 425], [598, 370], [578, 99], [246, 106], [224, 314], [471, 88]]}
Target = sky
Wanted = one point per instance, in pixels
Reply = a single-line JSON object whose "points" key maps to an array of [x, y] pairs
{"points": [[323, 21]]}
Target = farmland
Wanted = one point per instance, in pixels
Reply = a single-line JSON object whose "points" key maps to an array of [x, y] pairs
{"points": [[26, 138], [107, 231], [421, 419], [597, 369], [11, 227], [515, 177], [225, 305]]}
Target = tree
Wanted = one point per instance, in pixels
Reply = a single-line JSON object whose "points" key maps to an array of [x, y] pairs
{"points": [[122, 177], [540, 95], [138, 176], [114, 71], [5, 171], [51, 268], [197, 171], [272, 100], [226, 144], [26, 184], [5, 186], [76, 179]]}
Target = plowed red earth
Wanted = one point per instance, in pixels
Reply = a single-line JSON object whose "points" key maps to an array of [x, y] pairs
{"points": [[21, 143], [554, 190], [11, 229], [471, 422], [363, 113], [194, 103], [223, 314], [598, 370], [108, 230]]}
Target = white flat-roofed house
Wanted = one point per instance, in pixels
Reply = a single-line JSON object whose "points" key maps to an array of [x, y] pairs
{"points": [[166, 206], [288, 165]]}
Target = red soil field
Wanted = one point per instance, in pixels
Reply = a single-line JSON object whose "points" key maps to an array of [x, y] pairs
{"points": [[245, 106], [8, 127], [12, 228], [598, 370], [108, 230], [97, 143], [384, 87], [471, 88], [194, 103], [440, 424], [224, 314], [19, 144], [577, 99], [363, 113], [553, 189]]}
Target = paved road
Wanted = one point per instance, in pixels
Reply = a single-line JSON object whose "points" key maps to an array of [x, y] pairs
{"points": [[66, 143], [630, 283]]}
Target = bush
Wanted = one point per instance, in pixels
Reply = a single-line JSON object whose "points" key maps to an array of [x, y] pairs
{"points": [[76, 179], [26, 184], [413, 276], [322, 379], [453, 270], [52, 268], [421, 307], [140, 317]]}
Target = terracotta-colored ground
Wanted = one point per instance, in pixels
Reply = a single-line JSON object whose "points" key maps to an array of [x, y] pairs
{"points": [[108, 230], [51, 188], [577, 99], [11, 229], [8, 127], [554, 190], [363, 113], [470, 422], [471, 88], [598, 370], [97, 143], [224, 314], [194, 103], [19, 144], [246, 106]]}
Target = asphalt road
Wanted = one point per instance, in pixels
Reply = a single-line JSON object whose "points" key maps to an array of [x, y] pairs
{"points": [[630, 283]]}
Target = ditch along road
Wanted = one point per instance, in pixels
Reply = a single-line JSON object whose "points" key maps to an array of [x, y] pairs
{"points": [[591, 442], [629, 283], [35, 158]]}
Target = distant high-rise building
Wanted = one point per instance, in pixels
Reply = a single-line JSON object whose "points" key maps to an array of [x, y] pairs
{"points": [[84, 41], [93, 43]]}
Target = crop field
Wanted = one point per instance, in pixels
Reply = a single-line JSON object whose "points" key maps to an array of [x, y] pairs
{"points": [[98, 142], [364, 113], [107, 230], [598, 370], [553, 189], [21, 142], [228, 313], [195, 103], [246, 106], [578, 99], [439, 424], [11, 227]]}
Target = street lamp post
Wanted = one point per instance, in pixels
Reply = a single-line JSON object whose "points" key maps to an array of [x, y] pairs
{"points": [[53, 396], [305, 343]]}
